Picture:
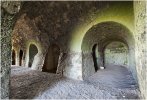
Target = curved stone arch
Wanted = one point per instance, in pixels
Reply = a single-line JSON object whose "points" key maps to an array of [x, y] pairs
{"points": [[114, 12], [39, 57], [108, 42], [102, 34], [124, 58], [103, 29], [33, 51]]}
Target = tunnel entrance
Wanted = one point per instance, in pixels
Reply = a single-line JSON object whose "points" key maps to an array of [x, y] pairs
{"points": [[20, 57], [13, 57], [95, 56], [32, 52], [116, 53], [121, 52], [51, 59]]}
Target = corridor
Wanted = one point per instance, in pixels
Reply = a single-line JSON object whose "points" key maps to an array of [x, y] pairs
{"points": [[114, 82]]}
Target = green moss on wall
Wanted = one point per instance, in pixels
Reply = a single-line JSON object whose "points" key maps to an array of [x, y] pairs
{"points": [[121, 12]]}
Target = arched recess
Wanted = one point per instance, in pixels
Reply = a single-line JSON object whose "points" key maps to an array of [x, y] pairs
{"points": [[13, 57], [20, 57], [33, 50], [51, 59], [116, 53], [102, 34]]}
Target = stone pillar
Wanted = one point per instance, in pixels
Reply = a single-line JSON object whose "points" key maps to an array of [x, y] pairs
{"points": [[17, 58], [61, 63], [73, 65], [8, 12], [23, 58], [140, 11], [38, 61], [6, 29], [88, 68]]}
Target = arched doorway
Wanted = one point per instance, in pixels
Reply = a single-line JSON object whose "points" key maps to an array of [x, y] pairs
{"points": [[95, 56], [32, 52], [20, 57], [13, 57], [51, 59], [116, 53], [102, 34]]}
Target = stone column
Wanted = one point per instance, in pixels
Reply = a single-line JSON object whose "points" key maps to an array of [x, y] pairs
{"points": [[88, 68], [8, 12], [17, 58], [73, 65], [140, 11], [6, 29], [23, 58], [38, 61], [61, 63]]}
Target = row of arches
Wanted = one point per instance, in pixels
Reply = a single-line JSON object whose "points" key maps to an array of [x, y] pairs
{"points": [[108, 43], [14, 57], [51, 58], [103, 44], [115, 53]]}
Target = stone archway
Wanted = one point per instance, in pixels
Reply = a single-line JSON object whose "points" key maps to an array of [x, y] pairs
{"points": [[33, 50], [102, 34], [116, 53], [13, 59], [51, 59]]}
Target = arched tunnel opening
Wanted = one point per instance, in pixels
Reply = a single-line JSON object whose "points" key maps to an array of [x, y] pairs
{"points": [[109, 37], [114, 58], [81, 50], [33, 50], [20, 57], [116, 53]]}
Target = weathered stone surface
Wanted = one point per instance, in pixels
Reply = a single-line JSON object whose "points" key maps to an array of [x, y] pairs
{"points": [[73, 65], [140, 10], [45, 23], [7, 22], [32, 84], [11, 7], [61, 63], [106, 32], [87, 65]]}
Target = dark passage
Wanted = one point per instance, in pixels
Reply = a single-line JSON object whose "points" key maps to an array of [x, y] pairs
{"points": [[13, 57], [20, 57], [94, 57]]}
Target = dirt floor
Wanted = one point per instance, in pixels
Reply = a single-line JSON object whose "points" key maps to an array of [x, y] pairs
{"points": [[114, 82]]}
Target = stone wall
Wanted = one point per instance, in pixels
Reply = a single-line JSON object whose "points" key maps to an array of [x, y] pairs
{"points": [[87, 65], [116, 53], [6, 29], [140, 10], [106, 32], [73, 68], [8, 12], [46, 23]]}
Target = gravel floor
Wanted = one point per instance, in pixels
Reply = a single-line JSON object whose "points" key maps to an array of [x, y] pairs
{"points": [[105, 84]]}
